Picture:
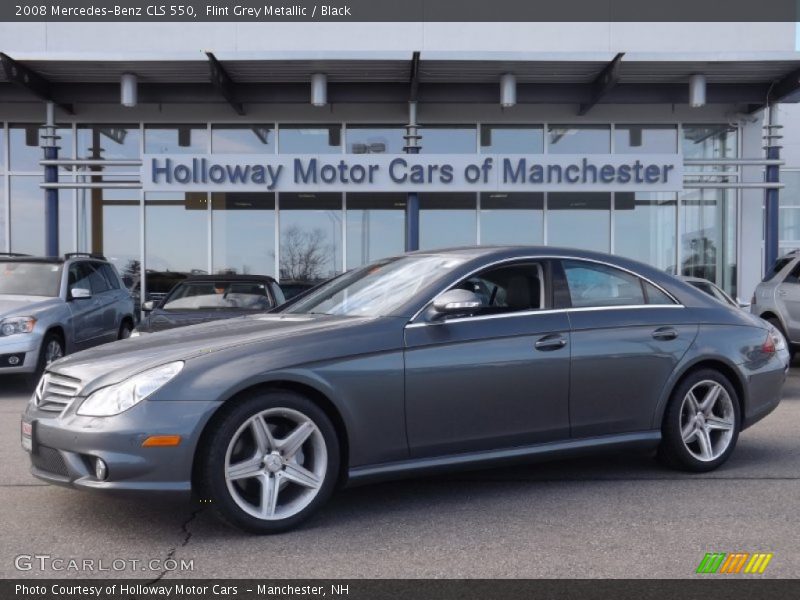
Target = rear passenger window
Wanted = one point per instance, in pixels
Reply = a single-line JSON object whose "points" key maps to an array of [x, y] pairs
{"points": [[96, 278], [111, 276], [592, 284], [655, 295]]}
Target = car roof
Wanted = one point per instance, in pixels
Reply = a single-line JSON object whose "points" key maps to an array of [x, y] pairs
{"points": [[232, 278]]}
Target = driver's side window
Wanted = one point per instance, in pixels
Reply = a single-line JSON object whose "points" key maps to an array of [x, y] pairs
{"points": [[508, 289]]}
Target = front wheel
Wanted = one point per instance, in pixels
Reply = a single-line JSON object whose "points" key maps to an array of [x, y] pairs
{"points": [[702, 422], [270, 462], [52, 349]]}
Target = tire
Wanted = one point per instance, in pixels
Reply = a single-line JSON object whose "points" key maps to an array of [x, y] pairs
{"points": [[709, 443], [52, 348], [125, 330], [303, 477]]}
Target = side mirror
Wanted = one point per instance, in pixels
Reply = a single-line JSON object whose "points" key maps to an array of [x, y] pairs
{"points": [[80, 293], [456, 302], [148, 306]]}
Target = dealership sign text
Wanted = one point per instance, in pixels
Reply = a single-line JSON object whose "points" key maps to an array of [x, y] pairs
{"points": [[412, 172]]}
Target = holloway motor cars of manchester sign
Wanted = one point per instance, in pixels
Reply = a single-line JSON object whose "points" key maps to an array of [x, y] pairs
{"points": [[412, 172]]}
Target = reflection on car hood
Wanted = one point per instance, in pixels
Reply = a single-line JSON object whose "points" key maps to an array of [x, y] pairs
{"points": [[119, 360], [161, 320], [24, 306]]}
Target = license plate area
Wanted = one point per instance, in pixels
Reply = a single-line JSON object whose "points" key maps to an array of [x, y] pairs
{"points": [[27, 435]]}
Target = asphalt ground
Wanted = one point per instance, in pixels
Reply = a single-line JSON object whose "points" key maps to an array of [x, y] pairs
{"points": [[615, 516]]}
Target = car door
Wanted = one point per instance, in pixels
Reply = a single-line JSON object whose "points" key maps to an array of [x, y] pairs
{"points": [[84, 311], [787, 300], [495, 379], [627, 338]]}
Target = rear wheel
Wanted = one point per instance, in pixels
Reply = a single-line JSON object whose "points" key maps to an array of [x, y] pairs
{"points": [[270, 462], [702, 422], [125, 330]]}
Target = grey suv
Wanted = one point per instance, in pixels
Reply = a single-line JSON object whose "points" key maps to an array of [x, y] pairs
{"points": [[50, 307], [777, 298]]}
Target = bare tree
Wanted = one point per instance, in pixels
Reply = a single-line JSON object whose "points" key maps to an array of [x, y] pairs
{"points": [[304, 254]]}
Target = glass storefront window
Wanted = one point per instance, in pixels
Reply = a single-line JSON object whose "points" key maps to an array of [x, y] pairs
{"points": [[3, 212], [183, 138], [644, 227], [583, 139], [511, 218], [310, 139], [2, 149], [24, 146], [109, 223], [645, 139], [375, 227], [375, 139], [709, 141], [512, 139], [579, 220], [447, 220], [176, 232], [311, 236], [26, 204], [243, 233], [708, 239], [789, 220], [448, 139], [238, 139]]}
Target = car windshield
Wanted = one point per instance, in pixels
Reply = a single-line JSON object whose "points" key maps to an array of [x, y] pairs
{"points": [[30, 278], [778, 267], [219, 295], [377, 289]]}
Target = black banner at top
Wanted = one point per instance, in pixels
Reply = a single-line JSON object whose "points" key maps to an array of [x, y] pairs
{"points": [[255, 11]]}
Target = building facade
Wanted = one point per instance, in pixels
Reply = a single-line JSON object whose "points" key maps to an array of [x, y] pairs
{"points": [[714, 231]]}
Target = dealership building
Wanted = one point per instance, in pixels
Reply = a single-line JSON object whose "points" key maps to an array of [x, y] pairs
{"points": [[142, 113]]}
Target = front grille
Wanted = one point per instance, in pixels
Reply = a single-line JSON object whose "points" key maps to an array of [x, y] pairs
{"points": [[56, 392], [49, 460]]}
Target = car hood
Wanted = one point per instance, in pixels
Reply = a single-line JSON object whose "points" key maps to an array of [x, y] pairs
{"points": [[111, 363], [23, 306], [161, 320]]}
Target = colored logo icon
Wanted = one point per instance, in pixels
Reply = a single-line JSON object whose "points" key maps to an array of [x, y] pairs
{"points": [[734, 563]]}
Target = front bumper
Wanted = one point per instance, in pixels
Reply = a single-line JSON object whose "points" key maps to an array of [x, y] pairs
{"points": [[23, 347], [66, 446]]}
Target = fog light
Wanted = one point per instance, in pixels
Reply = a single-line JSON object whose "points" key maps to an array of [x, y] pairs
{"points": [[100, 469]]}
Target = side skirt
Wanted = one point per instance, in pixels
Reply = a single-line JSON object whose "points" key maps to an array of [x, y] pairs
{"points": [[521, 454]]}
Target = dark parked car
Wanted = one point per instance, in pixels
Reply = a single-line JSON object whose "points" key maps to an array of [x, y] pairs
{"points": [[210, 298], [425, 362], [295, 288]]}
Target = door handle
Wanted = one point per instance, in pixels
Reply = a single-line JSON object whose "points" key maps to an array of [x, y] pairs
{"points": [[665, 333], [551, 342]]}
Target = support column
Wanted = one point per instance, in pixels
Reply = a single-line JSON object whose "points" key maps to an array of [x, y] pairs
{"points": [[50, 176], [771, 199], [412, 146]]}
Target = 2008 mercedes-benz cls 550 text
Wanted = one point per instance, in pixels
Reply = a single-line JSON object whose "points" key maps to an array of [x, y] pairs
{"points": [[424, 362]]}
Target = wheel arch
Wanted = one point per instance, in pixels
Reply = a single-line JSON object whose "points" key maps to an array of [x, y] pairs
{"points": [[717, 363], [313, 393]]}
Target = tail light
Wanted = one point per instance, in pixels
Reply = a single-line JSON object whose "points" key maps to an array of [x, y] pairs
{"points": [[768, 347]]}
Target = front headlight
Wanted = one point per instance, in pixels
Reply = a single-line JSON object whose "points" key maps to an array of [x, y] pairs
{"points": [[119, 397], [14, 325]]}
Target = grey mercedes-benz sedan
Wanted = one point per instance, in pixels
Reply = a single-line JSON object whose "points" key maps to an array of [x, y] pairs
{"points": [[424, 362]]}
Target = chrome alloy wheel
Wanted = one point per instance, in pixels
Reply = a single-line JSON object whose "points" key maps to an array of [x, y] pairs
{"points": [[275, 464], [707, 420], [53, 351]]}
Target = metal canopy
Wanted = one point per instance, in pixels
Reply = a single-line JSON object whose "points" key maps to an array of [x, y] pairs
{"points": [[639, 77]]}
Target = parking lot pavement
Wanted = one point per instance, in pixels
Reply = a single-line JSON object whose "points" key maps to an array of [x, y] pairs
{"points": [[609, 516]]}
